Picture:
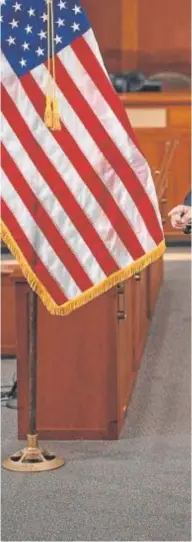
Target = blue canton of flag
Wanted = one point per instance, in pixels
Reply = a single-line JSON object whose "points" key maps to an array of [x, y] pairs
{"points": [[24, 30]]}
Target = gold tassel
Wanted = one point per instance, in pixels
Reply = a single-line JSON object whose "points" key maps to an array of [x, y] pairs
{"points": [[56, 120], [48, 116]]}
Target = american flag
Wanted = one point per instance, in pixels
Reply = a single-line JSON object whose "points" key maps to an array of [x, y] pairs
{"points": [[79, 207]]}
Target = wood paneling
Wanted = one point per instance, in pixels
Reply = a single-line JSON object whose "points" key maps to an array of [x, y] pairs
{"points": [[155, 276], [179, 181], [8, 331], [115, 26], [79, 361], [125, 351], [87, 362], [140, 300], [105, 17], [179, 98], [148, 35], [164, 35], [129, 35], [179, 117], [153, 142]]}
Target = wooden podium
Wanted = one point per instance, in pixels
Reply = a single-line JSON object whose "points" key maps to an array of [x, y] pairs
{"points": [[87, 361], [8, 328]]}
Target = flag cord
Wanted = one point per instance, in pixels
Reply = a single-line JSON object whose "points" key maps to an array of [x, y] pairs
{"points": [[51, 115], [48, 108], [56, 121]]}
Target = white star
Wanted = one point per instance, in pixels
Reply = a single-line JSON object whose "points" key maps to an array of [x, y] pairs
{"points": [[28, 29], [22, 62], [76, 9], [44, 17], [17, 7], [11, 40], [75, 27], [1, 18], [60, 22], [57, 39], [2, 2], [42, 35], [39, 51], [62, 5], [31, 12], [25, 46], [14, 23]]}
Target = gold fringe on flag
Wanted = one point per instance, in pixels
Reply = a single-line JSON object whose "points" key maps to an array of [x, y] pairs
{"points": [[89, 295], [51, 115]]}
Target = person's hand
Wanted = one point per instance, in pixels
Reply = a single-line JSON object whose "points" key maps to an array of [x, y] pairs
{"points": [[180, 216]]}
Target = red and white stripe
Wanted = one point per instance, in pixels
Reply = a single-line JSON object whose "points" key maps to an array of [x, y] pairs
{"points": [[80, 203]]}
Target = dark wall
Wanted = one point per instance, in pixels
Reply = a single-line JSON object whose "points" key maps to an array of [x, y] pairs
{"points": [[150, 35]]}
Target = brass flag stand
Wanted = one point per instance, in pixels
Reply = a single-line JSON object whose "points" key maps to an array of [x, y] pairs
{"points": [[32, 458]]}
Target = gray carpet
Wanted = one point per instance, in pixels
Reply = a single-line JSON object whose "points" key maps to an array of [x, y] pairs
{"points": [[137, 488]]}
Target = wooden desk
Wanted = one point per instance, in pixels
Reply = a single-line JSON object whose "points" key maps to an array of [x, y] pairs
{"points": [[87, 361], [8, 324], [157, 119]]}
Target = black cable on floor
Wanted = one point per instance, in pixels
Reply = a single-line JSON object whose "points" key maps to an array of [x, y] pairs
{"points": [[10, 393]]}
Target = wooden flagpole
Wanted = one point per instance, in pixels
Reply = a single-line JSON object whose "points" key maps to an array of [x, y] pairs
{"points": [[32, 458]]}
